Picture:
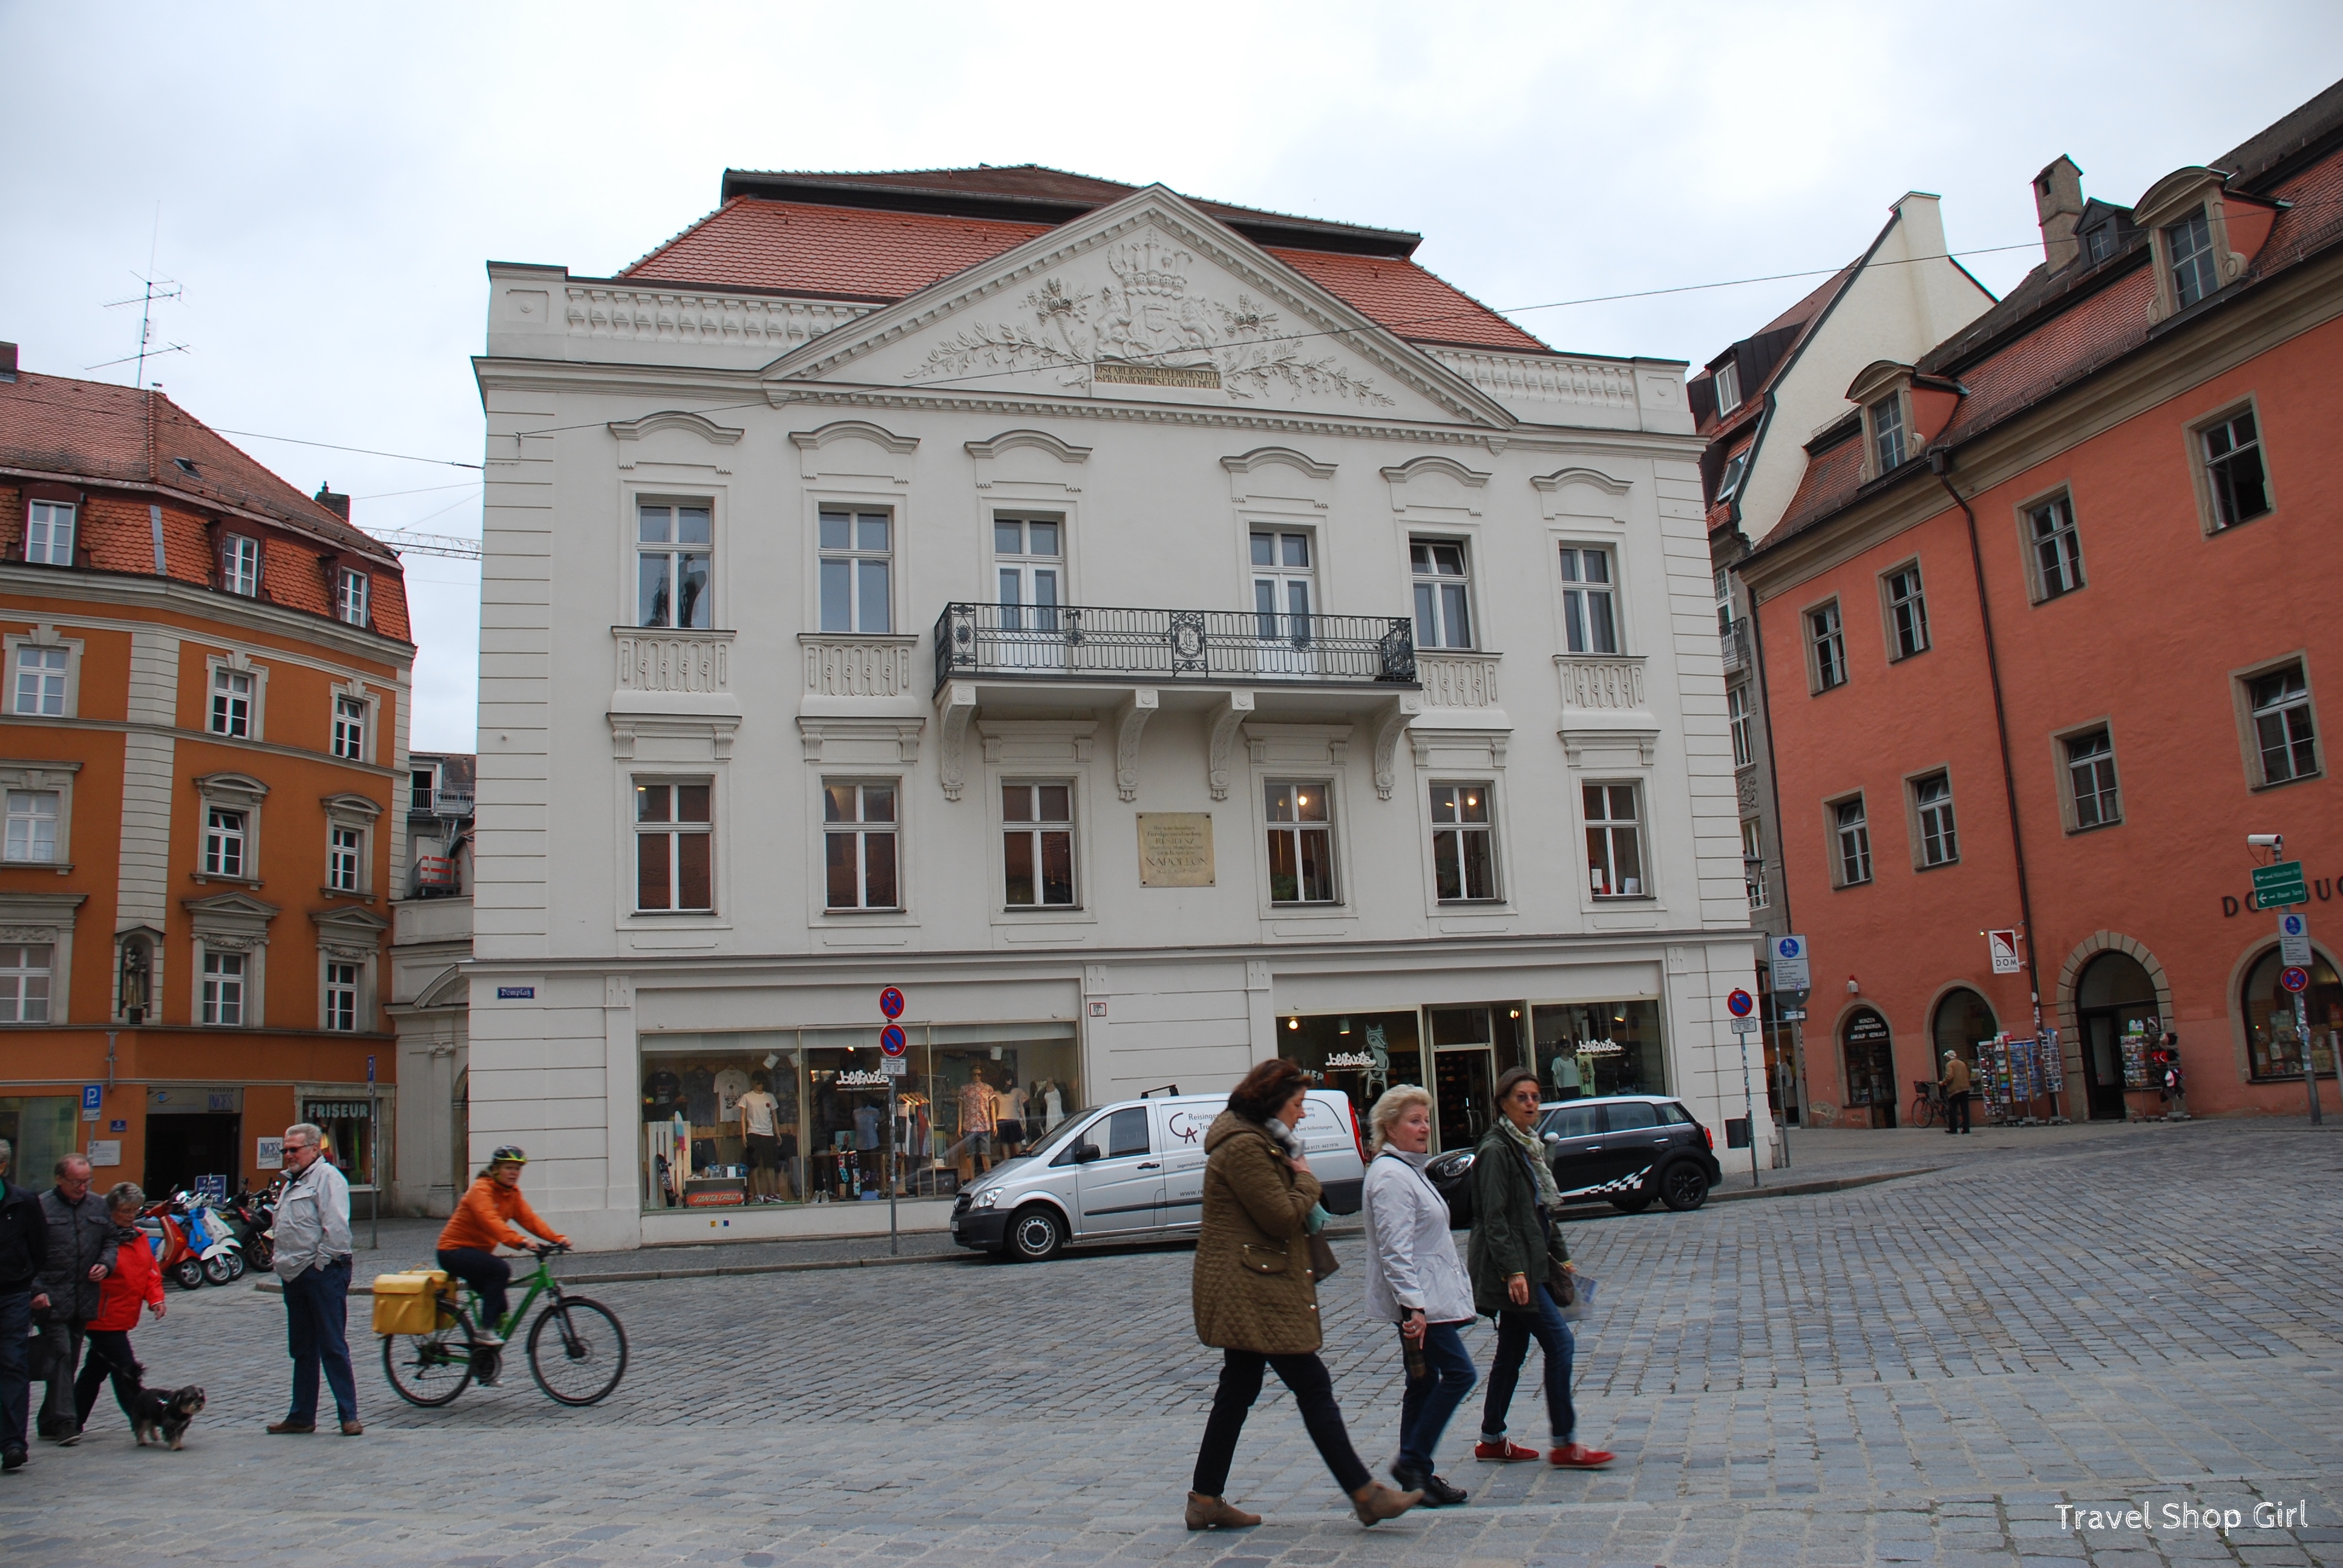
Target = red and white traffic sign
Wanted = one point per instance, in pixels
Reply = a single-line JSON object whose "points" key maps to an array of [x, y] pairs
{"points": [[2294, 978], [890, 1002], [1740, 1004]]}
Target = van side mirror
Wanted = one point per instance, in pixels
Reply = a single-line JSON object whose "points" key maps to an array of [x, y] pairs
{"points": [[1554, 1138], [1086, 1154]]}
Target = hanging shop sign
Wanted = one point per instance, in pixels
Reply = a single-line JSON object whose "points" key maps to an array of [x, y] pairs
{"points": [[2003, 946]]}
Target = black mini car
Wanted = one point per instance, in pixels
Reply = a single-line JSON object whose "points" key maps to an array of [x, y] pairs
{"points": [[1627, 1148]]}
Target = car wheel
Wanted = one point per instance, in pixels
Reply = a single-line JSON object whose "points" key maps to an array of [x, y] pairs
{"points": [[1036, 1234], [1683, 1186], [1636, 1204]]}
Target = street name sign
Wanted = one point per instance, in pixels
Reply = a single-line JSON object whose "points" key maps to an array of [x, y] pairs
{"points": [[2281, 884]]}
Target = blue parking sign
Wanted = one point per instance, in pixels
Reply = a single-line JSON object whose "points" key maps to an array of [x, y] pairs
{"points": [[93, 1101]]}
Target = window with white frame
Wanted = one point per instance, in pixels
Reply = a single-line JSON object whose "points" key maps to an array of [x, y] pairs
{"points": [[857, 551], [41, 678], [674, 847], [350, 727], [350, 596], [231, 702], [225, 842], [859, 845], [1826, 640], [1444, 607], [345, 854], [1728, 482], [1728, 387], [1932, 805], [24, 972], [1887, 433], [1753, 863], [1301, 842], [1590, 614], [673, 548], [1284, 585], [1036, 845], [223, 988], [341, 995], [1908, 611], [49, 533], [1463, 844], [240, 565], [1615, 840], [2190, 245], [1854, 832], [2282, 725], [33, 825], [2091, 780], [1743, 724], [2057, 548], [2233, 469], [1029, 563]]}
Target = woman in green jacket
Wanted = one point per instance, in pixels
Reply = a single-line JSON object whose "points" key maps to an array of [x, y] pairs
{"points": [[1513, 1202]]}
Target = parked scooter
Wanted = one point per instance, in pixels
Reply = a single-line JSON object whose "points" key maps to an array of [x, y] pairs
{"points": [[212, 1241], [253, 1217], [161, 1223]]}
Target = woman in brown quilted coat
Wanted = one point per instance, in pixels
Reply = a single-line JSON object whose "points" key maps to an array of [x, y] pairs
{"points": [[1256, 1296]]}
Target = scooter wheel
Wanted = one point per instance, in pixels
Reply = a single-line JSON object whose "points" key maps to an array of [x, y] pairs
{"points": [[188, 1272]]}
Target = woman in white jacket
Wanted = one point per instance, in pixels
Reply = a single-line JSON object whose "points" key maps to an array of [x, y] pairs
{"points": [[1415, 1279]]}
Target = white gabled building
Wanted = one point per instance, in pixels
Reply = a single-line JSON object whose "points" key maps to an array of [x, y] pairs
{"points": [[1152, 634]]}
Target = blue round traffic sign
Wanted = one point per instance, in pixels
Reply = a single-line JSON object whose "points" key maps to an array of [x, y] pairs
{"points": [[2292, 925], [1740, 1004], [890, 1039], [2294, 978], [1789, 947], [890, 1002]]}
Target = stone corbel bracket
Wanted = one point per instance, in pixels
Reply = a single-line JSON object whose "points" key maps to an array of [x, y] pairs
{"points": [[1226, 721], [1401, 713], [1130, 723], [956, 705]]}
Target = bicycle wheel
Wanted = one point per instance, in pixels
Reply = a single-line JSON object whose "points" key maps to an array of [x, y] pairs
{"points": [[432, 1368], [585, 1356], [1923, 1111]]}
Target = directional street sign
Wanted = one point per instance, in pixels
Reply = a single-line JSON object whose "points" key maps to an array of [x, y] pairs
{"points": [[2296, 980], [1739, 1003], [2279, 885], [1789, 957], [2294, 939]]}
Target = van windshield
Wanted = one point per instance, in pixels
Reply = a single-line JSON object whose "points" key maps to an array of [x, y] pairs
{"points": [[1056, 1137]]}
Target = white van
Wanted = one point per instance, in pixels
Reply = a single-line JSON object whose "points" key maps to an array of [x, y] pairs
{"points": [[1135, 1172]]}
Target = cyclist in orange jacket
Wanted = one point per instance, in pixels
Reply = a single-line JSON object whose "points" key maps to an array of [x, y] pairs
{"points": [[485, 1219]]}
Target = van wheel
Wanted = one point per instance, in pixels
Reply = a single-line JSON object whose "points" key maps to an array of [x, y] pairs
{"points": [[1683, 1186], [1036, 1234], [1633, 1205]]}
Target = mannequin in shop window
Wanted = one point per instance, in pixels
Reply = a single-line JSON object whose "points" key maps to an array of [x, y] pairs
{"points": [[1008, 1133], [768, 1179], [1053, 1104], [979, 1108]]}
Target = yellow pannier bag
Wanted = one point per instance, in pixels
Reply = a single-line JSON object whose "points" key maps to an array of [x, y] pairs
{"points": [[408, 1304]]}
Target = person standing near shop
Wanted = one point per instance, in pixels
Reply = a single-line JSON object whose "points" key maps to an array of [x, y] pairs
{"points": [[313, 1259], [24, 1249], [1514, 1201], [1415, 1279], [82, 1245], [1255, 1297], [1955, 1084]]}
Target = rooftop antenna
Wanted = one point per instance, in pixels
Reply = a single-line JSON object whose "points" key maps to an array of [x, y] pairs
{"points": [[155, 288]]}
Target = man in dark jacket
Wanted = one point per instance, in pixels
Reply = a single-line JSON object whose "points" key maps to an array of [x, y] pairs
{"points": [[24, 1248], [81, 1247]]}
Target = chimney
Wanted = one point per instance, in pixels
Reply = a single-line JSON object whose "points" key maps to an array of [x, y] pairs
{"points": [[2059, 204], [8, 362], [340, 505]]}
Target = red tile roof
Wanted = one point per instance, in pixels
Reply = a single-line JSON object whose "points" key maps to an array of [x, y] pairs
{"points": [[1411, 302]]}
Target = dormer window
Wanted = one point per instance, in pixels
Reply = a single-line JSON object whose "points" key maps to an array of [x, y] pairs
{"points": [[2100, 242], [1729, 481], [187, 466], [2189, 246], [1886, 433], [350, 597], [1728, 387], [240, 565]]}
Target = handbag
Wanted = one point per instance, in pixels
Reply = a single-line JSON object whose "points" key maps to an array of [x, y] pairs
{"points": [[1323, 1261]]}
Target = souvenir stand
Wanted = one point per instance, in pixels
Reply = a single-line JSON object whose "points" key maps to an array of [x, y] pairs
{"points": [[2138, 1073]]}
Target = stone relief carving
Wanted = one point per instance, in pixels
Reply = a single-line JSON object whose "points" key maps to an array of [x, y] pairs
{"points": [[1146, 328]]}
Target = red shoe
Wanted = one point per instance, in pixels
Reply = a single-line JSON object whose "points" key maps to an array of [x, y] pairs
{"points": [[1578, 1456], [1504, 1452]]}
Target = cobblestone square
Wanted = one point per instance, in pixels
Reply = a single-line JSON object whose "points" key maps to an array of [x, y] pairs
{"points": [[1922, 1370]]}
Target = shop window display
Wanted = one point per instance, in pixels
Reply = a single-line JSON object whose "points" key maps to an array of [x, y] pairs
{"points": [[1362, 1054], [2272, 1043], [42, 1128], [1586, 1049]]}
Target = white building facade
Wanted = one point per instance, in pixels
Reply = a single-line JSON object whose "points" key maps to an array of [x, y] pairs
{"points": [[1127, 648]]}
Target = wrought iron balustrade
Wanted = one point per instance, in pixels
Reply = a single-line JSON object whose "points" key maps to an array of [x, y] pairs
{"points": [[1088, 642]]}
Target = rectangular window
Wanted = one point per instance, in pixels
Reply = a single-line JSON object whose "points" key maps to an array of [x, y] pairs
{"points": [[859, 845], [422, 788], [225, 843], [1029, 557], [24, 984], [1753, 863], [41, 679], [1907, 612], [1728, 387], [1444, 612], [240, 566], [1738, 715], [2282, 726], [1887, 433], [1827, 638], [857, 553], [672, 546], [1037, 845], [1300, 844], [1589, 617], [2193, 274], [350, 727], [2057, 550], [224, 988], [350, 597], [1615, 842], [49, 534], [2233, 465], [343, 855], [1728, 482], [1854, 842], [231, 702], [1932, 801], [32, 825], [674, 847], [342, 997], [2091, 779], [1463, 849], [1282, 588]]}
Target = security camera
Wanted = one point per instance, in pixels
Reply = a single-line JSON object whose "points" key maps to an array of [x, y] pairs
{"points": [[2265, 840]]}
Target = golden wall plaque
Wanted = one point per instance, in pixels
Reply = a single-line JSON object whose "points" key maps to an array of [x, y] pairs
{"points": [[1175, 848]]}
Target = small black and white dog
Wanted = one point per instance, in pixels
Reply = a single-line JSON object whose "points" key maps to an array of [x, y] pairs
{"points": [[165, 1417]]}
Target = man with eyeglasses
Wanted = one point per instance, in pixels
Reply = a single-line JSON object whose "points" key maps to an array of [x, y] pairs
{"points": [[313, 1259]]}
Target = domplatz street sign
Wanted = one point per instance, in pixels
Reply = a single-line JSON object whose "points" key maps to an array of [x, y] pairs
{"points": [[2274, 886]]}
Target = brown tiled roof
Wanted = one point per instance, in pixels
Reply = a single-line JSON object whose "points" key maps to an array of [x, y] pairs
{"points": [[1411, 302], [1802, 314]]}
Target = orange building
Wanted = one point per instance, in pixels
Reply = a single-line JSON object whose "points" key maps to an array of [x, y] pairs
{"points": [[203, 734], [2058, 600]]}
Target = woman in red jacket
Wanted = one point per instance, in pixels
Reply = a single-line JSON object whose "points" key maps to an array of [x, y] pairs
{"points": [[135, 1280]]}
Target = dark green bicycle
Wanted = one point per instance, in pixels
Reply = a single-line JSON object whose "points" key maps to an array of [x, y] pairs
{"points": [[577, 1348]]}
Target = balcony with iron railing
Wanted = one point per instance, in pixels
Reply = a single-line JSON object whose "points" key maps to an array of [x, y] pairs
{"points": [[1092, 645], [1735, 636]]}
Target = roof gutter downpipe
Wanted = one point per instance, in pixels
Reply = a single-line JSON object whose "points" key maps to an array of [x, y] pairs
{"points": [[1940, 464]]}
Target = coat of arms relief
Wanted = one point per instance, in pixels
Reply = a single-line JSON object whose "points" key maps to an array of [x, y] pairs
{"points": [[1146, 328]]}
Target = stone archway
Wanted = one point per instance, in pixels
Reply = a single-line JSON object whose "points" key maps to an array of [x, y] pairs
{"points": [[2106, 1100], [2071, 972]]}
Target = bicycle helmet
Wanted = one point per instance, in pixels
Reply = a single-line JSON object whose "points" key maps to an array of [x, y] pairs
{"points": [[508, 1154]]}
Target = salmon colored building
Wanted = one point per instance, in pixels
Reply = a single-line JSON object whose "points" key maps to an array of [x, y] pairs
{"points": [[2050, 628], [203, 732]]}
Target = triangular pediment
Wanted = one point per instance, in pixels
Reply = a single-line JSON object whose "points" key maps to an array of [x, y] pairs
{"points": [[1148, 300]]}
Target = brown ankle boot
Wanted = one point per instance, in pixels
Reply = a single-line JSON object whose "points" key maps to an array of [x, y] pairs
{"points": [[1212, 1514], [1374, 1502]]}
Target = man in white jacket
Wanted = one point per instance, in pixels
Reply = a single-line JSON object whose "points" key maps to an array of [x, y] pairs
{"points": [[1415, 1279], [313, 1259]]}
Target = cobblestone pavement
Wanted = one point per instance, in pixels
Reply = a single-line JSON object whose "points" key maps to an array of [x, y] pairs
{"points": [[1923, 1370]]}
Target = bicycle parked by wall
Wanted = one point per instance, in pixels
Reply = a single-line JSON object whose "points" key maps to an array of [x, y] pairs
{"points": [[1927, 1102], [576, 1347]]}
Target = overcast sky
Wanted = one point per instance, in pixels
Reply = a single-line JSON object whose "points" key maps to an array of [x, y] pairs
{"points": [[325, 182]]}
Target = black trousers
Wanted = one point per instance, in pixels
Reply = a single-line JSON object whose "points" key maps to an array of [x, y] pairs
{"points": [[1956, 1111], [485, 1272], [1314, 1393], [108, 1356], [57, 1353]]}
